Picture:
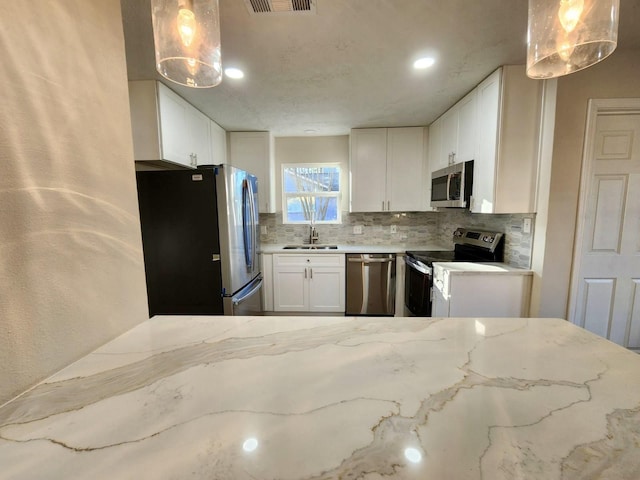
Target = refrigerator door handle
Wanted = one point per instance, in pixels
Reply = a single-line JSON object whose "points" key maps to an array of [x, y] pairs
{"points": [[254, 225], [258, 284], [247, 229]]}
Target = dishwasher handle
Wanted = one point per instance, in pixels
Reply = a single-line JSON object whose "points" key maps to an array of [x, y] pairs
{"points": [[371, 260]]}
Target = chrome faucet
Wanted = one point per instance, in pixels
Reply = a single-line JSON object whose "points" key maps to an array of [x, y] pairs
{"points": [[313, 235]]}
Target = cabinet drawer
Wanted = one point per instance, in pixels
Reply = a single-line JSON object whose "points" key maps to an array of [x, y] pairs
{"points": [[322, 259]]}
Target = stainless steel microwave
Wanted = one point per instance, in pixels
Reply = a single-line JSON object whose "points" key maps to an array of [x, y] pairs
{"points": [[452, 186]]}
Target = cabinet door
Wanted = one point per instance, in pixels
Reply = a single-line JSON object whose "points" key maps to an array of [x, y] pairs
{"points": [[440, 305], [485, 164], [218, 143], [290, 289], [199, 143], [173, 127], [326, 289], [449, 145], [368, 169], [405, 161], [435, 146], [467, 134], [489, 295], [252, 151]]}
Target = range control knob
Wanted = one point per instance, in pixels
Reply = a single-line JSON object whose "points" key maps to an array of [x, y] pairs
{"points": [[487, 239]]}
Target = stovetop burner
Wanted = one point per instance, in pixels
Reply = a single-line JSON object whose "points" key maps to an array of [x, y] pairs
{"points": [[470, 246]]}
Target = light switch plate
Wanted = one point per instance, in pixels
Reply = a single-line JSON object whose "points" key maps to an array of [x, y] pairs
{"points": [[357, 229], [263, 229], [526, 225]]}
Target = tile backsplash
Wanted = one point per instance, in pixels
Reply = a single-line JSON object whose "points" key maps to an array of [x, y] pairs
{"points": [[413, 229]]}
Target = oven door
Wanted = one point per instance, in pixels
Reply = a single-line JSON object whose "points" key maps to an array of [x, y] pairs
{"points": [[417, 287]]}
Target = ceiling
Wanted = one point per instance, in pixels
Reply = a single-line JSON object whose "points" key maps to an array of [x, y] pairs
{"points": [[350, 64]]}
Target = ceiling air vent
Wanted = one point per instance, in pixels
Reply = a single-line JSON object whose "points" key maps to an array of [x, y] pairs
{"points": [[281, 6]]}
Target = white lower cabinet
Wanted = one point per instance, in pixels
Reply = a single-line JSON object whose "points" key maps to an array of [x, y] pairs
{"points": [[308, 283], [464, 289]]}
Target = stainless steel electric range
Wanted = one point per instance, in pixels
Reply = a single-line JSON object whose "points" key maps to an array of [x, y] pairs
{"points": [[469, 246]]}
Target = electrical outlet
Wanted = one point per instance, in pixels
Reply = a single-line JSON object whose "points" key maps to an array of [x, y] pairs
{"points": [[357, 229], [393, 229], [526, 225]]}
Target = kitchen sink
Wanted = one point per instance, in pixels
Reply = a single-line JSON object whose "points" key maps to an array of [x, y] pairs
{"points": [[310, 247]]}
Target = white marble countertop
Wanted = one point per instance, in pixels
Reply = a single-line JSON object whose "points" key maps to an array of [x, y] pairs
{"points": [[334, 397], [397, 249], [471, 268]]}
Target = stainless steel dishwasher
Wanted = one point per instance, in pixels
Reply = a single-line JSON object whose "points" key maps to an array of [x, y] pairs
{"points": [[371, 284]]}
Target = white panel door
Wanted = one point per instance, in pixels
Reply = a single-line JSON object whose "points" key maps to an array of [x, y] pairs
{"points": [[608, 283]]}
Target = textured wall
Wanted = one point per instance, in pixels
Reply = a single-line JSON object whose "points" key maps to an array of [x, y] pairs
{"points": [[71, 268], [414, 230]]}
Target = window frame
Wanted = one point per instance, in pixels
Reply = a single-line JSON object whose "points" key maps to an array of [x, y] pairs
{"points": [[334, 194]]}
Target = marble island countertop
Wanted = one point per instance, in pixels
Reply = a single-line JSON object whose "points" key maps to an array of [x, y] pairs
{"points": [[334, 397]]}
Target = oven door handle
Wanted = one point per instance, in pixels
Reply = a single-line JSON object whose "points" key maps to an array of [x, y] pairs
{"points": [[416, 265]]}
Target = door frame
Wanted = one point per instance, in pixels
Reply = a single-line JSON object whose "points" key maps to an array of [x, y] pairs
{"points": [[595, 108]]}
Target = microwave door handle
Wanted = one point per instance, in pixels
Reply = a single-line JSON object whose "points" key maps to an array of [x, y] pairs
{"points": [[448, 187]]}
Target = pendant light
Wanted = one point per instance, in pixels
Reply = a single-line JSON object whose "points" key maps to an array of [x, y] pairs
{"points": [[186, 34], [565, 36]]}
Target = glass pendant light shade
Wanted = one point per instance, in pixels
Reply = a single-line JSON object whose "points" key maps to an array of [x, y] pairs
{"points": [[565, 36], [186, 34]]}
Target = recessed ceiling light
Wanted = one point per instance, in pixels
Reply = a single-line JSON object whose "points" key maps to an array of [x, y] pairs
{"points": [[425, 62], [234, 73], [310, 131]]}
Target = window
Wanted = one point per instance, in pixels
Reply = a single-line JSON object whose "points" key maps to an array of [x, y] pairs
{"points": [[311, 192]]}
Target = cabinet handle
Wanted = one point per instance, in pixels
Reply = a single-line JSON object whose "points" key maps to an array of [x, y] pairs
{"points": [[388, 205], [383, 205], [305, 273], [311, 273]]}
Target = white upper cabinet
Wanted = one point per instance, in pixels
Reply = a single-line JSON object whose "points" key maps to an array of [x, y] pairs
{"points": [[509, 121], [253, 152], [453, 136], [165, 127], [497, 126], [405, 164], [449, 142], [467, 144], [218, 143], [387, 167], [368, 169], [198, 136]]}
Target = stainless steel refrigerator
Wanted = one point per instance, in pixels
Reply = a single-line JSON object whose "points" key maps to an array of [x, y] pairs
{"points": [[201, 239]]}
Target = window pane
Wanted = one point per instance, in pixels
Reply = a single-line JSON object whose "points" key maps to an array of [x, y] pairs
{"points": [[311, 179], [301, 208]]}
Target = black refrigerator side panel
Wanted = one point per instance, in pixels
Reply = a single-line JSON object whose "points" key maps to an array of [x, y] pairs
{"points": [[179, 220]]}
